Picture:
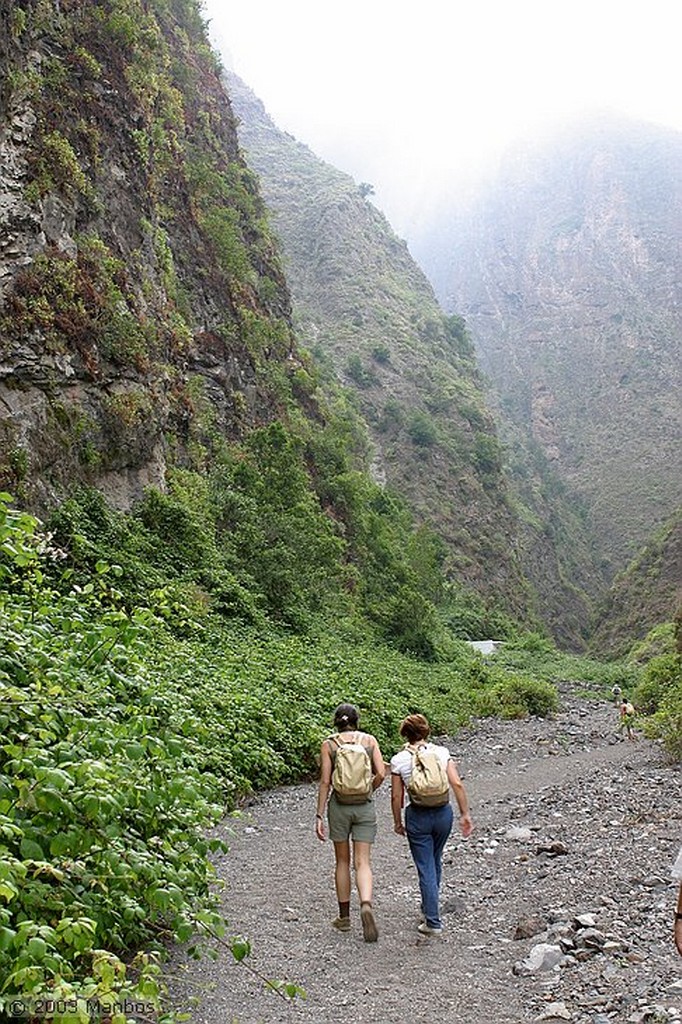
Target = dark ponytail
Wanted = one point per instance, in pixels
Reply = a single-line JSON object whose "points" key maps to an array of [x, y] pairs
{"points": [[346, 716]]}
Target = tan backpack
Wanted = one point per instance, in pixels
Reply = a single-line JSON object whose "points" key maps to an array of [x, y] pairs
{"points": [[428, 785], [352, 774]]}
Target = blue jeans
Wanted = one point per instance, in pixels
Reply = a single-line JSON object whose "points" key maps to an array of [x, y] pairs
{"points": [[427, 831]]}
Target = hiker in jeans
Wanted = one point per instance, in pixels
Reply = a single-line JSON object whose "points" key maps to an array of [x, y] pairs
{"points": [[356, 821], [427, 828]]}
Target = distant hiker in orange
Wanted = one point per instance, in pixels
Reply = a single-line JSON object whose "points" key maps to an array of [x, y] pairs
{"points": [[627, 718], [352, 767]]}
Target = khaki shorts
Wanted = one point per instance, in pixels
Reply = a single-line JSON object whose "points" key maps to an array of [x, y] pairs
{"points": [[355, 821]]}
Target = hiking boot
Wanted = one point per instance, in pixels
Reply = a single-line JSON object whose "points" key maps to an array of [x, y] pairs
{"points": [[369, 926], [426, 929], [342, 924]]}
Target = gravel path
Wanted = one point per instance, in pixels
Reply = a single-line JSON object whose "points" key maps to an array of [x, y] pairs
{"points": [[567, 822]]}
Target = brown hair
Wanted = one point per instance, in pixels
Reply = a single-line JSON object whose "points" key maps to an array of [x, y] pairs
{"points": [[415, 727]]}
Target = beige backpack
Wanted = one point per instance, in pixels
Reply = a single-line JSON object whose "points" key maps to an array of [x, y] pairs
{"points": [[428, 785], [352, 774]]}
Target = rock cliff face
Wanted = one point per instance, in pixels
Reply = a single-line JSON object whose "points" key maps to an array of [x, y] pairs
{"points": [[364, 306], [141, 299], [569, 274]]}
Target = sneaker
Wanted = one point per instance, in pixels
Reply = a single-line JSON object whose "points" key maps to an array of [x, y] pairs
{"points": [[342, 924], [369, 925], [426, 929]]}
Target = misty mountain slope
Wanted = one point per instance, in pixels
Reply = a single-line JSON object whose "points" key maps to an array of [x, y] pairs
{"points": [[569, 273], [364, 306], [646, 593]]}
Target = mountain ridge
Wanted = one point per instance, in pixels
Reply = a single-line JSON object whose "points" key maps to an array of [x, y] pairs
{"points": [[568, 272]]}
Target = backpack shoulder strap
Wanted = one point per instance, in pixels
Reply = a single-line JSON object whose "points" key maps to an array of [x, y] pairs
{"points": [[336, 738]]}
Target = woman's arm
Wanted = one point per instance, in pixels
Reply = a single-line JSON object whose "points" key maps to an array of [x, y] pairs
{"points": [[397, 794], [461, 797], [323, 790], [378, 766]]}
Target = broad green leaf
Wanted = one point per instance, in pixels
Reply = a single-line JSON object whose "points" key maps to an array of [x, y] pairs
{"points": [[30, 850], [60, 845], [240, 949], [36, 947]]}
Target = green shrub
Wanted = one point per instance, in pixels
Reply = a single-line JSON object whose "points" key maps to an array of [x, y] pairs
{"points": [[58, 167], [381, 353], [410, 622], [102, 806], [533, 642], [358, 372], [422, 430], [658, 641], [666, 724], [660, 676], [392, 416], [518, 696], [487, 455], [469, 617]]}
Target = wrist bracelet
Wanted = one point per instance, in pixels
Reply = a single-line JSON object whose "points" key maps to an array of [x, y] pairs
{"points": [[320, 816], [678, 916]]}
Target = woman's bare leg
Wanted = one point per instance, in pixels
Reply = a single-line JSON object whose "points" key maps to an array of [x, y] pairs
{"points": [[342, 871], [363, 870], [363, 880]]}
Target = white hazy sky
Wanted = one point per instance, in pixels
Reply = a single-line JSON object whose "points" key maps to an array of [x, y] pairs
{"points": [[407, 95]]}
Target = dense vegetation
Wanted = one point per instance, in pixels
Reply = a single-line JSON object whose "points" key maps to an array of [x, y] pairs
{"points": [[126, 729], [131, 719], [644, 594]]}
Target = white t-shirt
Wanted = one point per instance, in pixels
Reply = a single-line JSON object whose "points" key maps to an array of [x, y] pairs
{"points": [[401, 763], [677, 866]]}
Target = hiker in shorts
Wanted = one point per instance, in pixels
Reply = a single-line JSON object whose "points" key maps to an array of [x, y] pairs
{"points": [[427, 827], [677, 875], [627, 716], [352, 816]]}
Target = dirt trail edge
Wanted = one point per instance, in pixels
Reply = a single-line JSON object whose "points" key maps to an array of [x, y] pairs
{"points": [[568, 822]]}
